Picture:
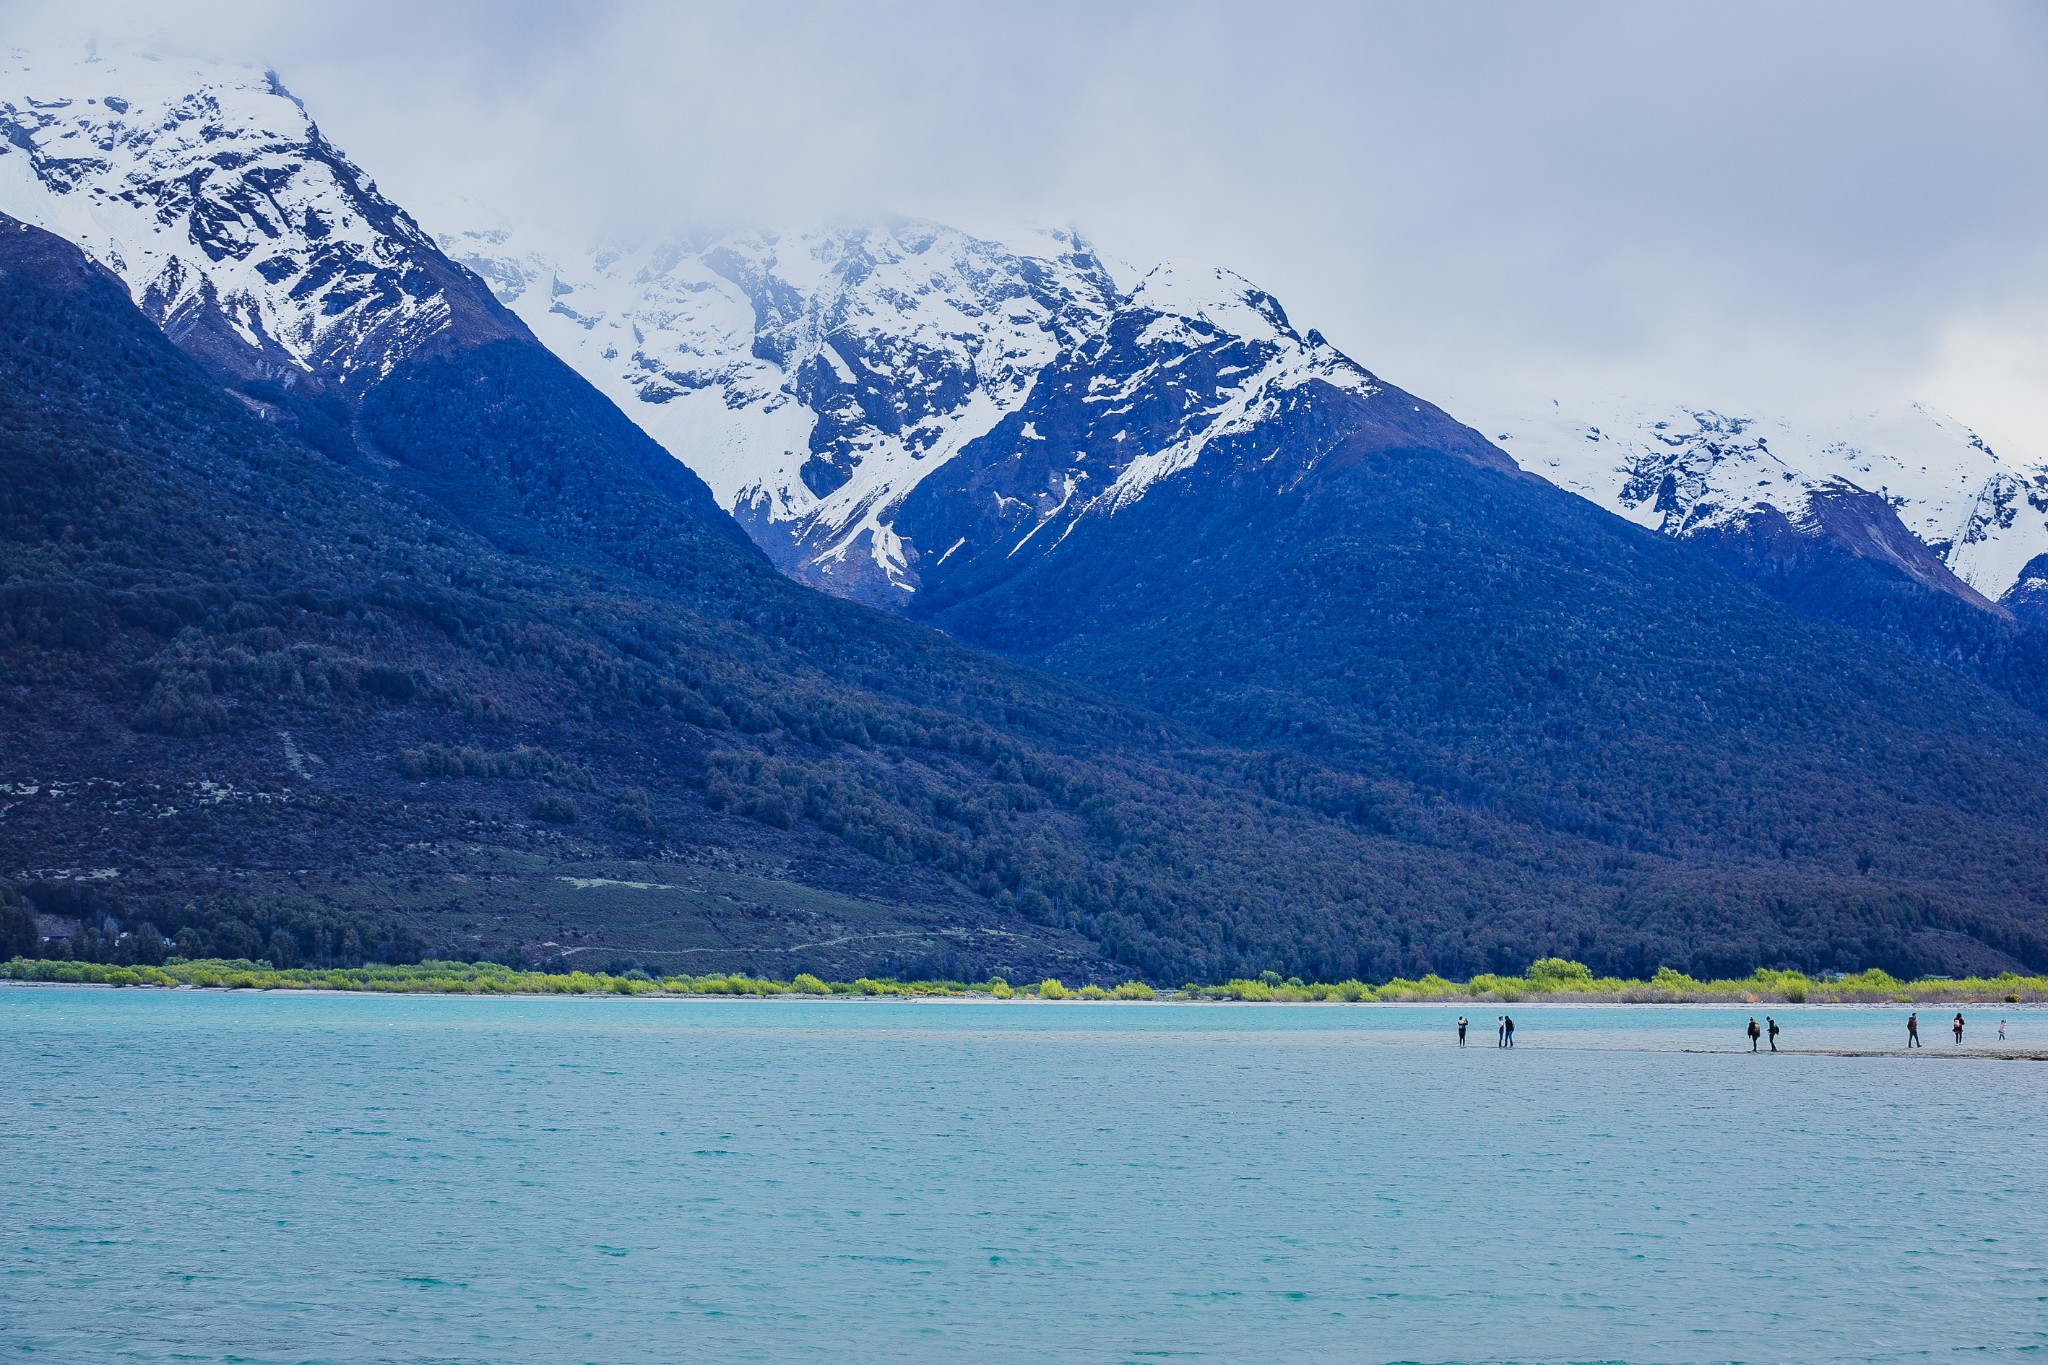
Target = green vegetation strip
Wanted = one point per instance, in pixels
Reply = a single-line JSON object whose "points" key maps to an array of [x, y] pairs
{"points": [[1550, 979]]}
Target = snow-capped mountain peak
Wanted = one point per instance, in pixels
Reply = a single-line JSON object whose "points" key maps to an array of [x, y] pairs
{"points": [[816, 379], [1214, 300], [1253, 358], [811, 379], [876, 401], [232, 220]]}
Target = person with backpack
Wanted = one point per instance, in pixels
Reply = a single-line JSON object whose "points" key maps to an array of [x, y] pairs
{"points": [[1507, 1025], [1913, 1029], [1754, 1033], [1461, 1030], [1959, 1028], [1771, 1027]]}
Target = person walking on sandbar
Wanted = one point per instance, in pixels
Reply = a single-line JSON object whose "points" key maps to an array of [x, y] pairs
{"points": [[1959, 1028], [1461, 1030], [1754, 1033], [1501, 1027], [1913, 1029], [1771, 1027], [1508, 1028]]}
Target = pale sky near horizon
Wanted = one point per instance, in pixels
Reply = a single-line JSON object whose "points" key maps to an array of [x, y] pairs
{"points": [[1803, 208]]}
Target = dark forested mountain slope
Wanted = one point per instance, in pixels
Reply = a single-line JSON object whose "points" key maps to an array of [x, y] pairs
{"points": [[1899, 599], [2027, 599], [235, 667], [1404, 615], [1904, 525]]}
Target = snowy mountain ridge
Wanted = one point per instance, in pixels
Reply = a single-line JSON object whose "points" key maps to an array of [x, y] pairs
{"points": [[234, 223], [1690, 471], [820, 382], [816, 379]]}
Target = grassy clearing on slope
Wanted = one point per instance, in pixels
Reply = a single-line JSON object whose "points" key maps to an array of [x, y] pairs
{"points": [[1552, 979]]}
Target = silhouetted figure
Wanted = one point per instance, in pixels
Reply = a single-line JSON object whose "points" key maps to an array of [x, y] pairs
{"points": [[1771, 1026], [1958, 1026], [1913, 1029], [1508, 1026], [2001, 1030], [1502, 1029], [1754, 1033], [1461, 1030]]}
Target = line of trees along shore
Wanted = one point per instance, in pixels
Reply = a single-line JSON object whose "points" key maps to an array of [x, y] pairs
{"points": [[1552, 979]]}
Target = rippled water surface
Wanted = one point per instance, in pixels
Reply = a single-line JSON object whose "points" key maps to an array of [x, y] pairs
{"points": [[201, 1176]]}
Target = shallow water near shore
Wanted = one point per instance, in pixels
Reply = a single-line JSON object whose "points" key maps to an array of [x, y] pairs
{"points": [[212, 1176]]}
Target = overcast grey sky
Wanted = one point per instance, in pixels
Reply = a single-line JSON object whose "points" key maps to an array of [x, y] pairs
{"points": [[1818, 207]]}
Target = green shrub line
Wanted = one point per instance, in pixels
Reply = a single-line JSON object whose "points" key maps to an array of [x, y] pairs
{"points": [[1550, 979]]}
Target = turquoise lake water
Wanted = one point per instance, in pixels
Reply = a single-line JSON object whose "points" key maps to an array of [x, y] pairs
{"points": [[202, 1176]]}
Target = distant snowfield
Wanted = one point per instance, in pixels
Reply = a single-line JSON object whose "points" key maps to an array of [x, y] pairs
{"points": [[1681, 469]]}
